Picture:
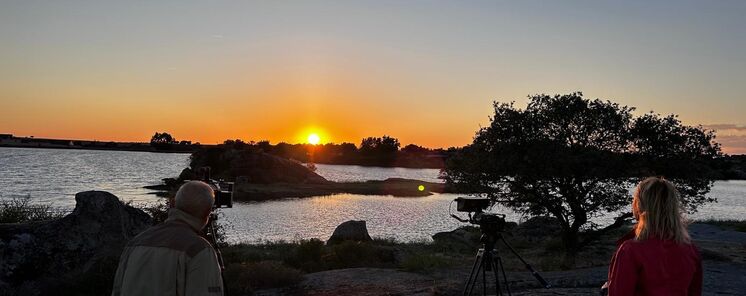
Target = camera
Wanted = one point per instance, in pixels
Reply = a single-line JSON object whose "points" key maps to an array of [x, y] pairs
{"points": [[223, 193], [488, 221], [471, 204]]}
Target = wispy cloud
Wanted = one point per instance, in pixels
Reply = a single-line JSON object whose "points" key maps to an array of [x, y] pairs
{"points": [[733, 144], [725, 126], [219, 36], [732, 137]]}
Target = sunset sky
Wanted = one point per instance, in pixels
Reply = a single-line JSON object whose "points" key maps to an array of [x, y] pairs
{"points": [[425, 72]]}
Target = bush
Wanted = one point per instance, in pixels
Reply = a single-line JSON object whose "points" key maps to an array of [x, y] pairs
{"points": [[20, 210], [158, 211]]}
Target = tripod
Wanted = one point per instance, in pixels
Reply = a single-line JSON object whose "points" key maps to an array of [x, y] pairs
{"points": [[212, 237], [488, 259]]}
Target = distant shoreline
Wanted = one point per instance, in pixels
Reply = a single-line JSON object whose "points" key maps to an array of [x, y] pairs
{"points": [[8, 140], [97, 148]]}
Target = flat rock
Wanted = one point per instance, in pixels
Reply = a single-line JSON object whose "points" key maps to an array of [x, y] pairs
{"points": [[367, 281]]}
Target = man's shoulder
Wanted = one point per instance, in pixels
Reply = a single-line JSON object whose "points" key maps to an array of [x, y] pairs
{"points": [[172, 235]]}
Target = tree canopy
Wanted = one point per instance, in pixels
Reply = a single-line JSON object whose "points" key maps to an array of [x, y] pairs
{"points": [[575, 159]]}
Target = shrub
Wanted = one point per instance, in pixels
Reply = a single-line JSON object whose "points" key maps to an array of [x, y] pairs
{"points": [[19, 210], [157, 211]]}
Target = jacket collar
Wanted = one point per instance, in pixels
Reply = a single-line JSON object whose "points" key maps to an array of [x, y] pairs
{"points": [[175, 214]]}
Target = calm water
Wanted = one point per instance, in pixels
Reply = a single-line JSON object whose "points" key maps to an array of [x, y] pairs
{"points": [[51, 175]]}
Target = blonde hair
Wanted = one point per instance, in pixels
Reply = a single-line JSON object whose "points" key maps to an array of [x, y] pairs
{"points": [[657, 207]]}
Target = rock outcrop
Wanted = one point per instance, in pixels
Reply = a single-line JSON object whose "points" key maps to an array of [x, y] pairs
{"points": [[466, 237], [253, 166], [77, 252], [350, 231]]}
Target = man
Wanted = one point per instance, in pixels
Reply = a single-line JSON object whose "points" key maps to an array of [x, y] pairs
{"points": [[172, 258]]}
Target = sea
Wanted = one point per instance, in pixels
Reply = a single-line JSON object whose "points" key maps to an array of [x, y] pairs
{"points": [[54, 176]]}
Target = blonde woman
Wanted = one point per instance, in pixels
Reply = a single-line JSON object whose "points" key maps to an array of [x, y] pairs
{"points": [[660, 259]]}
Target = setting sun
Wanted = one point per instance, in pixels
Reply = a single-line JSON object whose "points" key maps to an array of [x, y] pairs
{"points": [[313, 139]]}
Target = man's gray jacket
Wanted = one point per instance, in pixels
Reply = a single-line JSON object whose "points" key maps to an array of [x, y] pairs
{"points": [[169, 259]]}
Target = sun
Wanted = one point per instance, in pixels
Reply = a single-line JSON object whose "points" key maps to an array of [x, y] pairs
{"points": [[313, 139]]}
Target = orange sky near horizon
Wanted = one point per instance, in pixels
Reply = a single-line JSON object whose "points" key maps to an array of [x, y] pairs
{"points": [[425, 73]]}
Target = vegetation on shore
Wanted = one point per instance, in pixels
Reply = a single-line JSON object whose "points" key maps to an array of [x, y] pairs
{"points": [[21, 210], [373, 151]]}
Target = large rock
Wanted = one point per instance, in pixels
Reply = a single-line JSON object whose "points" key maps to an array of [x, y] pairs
{"points": [[265, 168], [466, 237], [77, 252], [253, 166], [350, 231]]}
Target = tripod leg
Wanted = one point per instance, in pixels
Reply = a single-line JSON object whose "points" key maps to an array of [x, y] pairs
{"points": [[484, 278], [495, 265], [505, 277], [474, 273]]}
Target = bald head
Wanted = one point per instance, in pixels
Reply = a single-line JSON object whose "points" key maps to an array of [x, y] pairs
{"points": [[195, 198]]}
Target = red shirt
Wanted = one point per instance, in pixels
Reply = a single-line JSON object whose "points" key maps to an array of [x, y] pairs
{"points": [[655, 267]]}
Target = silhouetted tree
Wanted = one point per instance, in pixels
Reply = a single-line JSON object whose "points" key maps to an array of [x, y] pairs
{"points": [[264, 146], [162, 141], [414, 149], [383, 145], [574, 159], [379, 151], [162, 138]]}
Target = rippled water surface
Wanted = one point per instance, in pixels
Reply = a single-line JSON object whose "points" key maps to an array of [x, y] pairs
{"points": [[55, 175], [51, 175]]}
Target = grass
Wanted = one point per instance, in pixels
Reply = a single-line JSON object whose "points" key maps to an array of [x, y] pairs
{"points": [[735, 225], [21, 210]]}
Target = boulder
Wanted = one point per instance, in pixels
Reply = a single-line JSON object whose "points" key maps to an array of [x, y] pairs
{"points": [[466, 237], [253, 166], [77, 252], [266, 168], [350, 231], [187, 174]]}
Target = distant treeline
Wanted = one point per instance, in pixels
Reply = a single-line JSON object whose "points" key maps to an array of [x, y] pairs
{"points": [[373, 151], [731, 167]]}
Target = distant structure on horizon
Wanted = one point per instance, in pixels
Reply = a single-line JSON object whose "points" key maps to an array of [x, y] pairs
{"points": [[8, 140]]}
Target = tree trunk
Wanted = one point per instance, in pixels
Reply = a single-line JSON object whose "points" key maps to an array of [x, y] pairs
{"points": [[571, 243]]}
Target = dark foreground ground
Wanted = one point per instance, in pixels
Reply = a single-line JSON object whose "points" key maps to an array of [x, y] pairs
{"points": [[438, 269]]}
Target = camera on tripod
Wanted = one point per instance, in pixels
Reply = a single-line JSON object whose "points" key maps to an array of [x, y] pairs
{"points": [[488, 259]]}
